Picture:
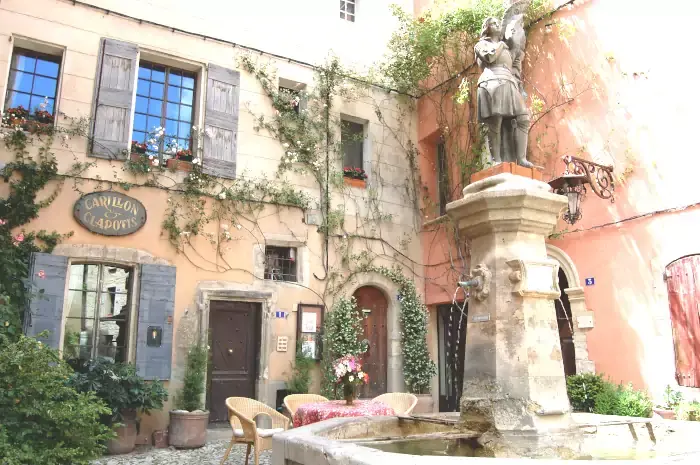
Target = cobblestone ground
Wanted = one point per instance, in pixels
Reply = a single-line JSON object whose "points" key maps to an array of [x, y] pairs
{"points": [[210, 454]]}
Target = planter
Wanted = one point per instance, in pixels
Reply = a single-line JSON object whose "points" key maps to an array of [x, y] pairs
{"points": [[188, 430], [125, 441], [665, 414], [360, 183], [349, 393], [425, 403], [179, 165]]}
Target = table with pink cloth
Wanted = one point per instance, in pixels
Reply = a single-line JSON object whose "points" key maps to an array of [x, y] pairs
{"points": [[319, 411]]}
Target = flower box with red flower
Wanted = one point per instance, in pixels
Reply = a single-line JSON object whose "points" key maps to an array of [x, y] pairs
{"points": [[355, 177], [43, 116], [138, 148], [181, 162]]}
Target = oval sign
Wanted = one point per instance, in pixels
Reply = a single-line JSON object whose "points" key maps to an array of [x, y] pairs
{"points": [[110, 213]]}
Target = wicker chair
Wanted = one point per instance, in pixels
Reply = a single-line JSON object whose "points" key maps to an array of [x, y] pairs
{"points": [[401, 402], [242, 413], [293, 401]]}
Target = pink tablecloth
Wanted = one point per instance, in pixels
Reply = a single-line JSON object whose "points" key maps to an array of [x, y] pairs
{"points": [[319, 411]]}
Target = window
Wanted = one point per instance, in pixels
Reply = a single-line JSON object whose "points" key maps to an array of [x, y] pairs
{"points": [[280, 263], [33, 83], [351, 139], [442, 178], [293, 96], [164, 98], [98, 313], [347, 10]]}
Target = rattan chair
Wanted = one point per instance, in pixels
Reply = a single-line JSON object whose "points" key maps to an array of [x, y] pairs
{"points": [[402, 403], [293, 401], [242, 413]]}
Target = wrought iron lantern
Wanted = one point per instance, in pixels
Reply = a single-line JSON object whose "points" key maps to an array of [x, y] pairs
{"points": [[572, 184]]}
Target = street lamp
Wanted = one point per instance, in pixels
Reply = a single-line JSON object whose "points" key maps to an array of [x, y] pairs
{"points": [[572, 184]]}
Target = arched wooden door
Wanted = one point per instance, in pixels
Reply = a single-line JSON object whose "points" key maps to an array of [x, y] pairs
{"points": [[373, 306], [566, 327], [683, 283]]}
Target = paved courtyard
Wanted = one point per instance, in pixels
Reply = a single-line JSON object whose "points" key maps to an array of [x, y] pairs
{"points": [[210, 454]]}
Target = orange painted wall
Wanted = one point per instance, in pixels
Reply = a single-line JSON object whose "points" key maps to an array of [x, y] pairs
{"points": [[636, 110]]}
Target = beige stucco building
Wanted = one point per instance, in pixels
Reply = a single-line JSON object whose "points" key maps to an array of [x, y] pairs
{"points": [[131, 65]]}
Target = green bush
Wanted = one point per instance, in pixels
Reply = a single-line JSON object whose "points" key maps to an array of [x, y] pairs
{"points": [[622, 400], [43, 419], [300, 379], [119, 386], [672, 399], [583, 389], [190, 397], [688, 411]]}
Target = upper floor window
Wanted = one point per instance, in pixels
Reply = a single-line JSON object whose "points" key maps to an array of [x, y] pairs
{"points": [[164, 99], [291, 95], [33, 85], [98, 317], [347, 10], [280, 263], [442, 178], [352, 142]]}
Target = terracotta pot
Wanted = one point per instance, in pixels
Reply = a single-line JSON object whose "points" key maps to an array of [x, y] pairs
{"points": [[665, 414], [188, 430], [424, 404], [361, 183], [125, 441], [179, 165]]}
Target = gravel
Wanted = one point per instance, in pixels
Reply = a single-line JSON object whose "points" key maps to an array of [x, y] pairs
{"points": [[210, 454]]}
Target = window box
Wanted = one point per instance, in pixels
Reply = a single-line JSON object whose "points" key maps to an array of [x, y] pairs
{"points": [[179, 165], [352, 182]]}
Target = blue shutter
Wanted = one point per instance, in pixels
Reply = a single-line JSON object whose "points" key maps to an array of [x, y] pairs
{"points": [[156, 308], [46, 306]]}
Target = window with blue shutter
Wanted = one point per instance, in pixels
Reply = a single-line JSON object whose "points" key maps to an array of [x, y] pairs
{"points": [[48, 273]]}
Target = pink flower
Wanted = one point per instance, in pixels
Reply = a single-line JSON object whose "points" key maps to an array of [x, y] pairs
{"points": [[2, 222], [19, 237], [41, 274]]}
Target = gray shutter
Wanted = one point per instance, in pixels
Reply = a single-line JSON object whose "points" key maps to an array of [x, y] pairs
{"points": [[221, 120], [114, 99], [156, 307], [46, 307]]}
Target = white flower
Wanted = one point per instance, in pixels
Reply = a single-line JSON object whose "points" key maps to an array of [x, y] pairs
{"points": [[150, 157], [360, 374], [285, 145], [65, 137], [174, 149], [224, 227], [222, 195], [238, 226], [196, 161], [194, 128], [155, 162], [152, 141], [209, 132], [185, 233], [351, 378]]}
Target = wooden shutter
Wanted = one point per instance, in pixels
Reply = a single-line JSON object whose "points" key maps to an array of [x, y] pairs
{"points": [[114, 99], [683, 283], [156, 307], [46, 307], [221, 121]]}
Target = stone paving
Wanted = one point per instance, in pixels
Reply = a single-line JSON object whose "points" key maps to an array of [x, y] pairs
{"points": [[210, 454]]}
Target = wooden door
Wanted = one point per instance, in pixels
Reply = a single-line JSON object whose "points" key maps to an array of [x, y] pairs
{"points": [[373, 307], [452, 333], [565, 323], [235, 344], [683, 284]]}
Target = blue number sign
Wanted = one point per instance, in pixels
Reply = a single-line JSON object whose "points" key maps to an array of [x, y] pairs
{"points": [[590, 281]]}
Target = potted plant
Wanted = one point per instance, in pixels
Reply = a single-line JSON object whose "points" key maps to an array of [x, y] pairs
{"points": [[300, 378], [349, 375], [126, 395], [189, 420], [354, 176], [182, 161], [672, 400]]}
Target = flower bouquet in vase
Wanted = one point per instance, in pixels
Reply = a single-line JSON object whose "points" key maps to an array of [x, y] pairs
{"points": [[349, 374]]}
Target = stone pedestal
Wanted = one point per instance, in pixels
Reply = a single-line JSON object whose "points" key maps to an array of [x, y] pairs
{"points": [[514, 375]]}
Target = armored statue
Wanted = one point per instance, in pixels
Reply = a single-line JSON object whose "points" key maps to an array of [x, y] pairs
{"points": [[500, 94]]}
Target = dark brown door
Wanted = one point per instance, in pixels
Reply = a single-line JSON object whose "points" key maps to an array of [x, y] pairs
{"points": [[683, 283], [235, 334], [373, 307], [566, 326]]}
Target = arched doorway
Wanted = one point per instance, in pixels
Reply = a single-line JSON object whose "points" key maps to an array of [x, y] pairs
{"points": [[566, 326], [373, 306]]}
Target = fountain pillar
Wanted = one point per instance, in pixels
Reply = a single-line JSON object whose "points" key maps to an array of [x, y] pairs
{"points": [[514, 375]]}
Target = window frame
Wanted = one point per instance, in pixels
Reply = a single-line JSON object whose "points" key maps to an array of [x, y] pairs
{"points": [[344, 15], [363, 142], [267, 276], [167, 65], [133, 296]]}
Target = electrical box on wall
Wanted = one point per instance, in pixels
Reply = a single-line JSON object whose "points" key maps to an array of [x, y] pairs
{"points": [[282, 343]]}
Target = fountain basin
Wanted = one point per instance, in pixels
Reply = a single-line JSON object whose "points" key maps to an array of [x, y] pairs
{"points": [[429, 440]]}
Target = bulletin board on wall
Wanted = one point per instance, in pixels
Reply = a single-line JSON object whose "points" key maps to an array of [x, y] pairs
{"points": [[310, 328]]}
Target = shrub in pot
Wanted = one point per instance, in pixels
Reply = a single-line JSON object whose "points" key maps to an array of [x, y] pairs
{"points": [[672, 400], [43, 419], [125, 393], [189, 420]]}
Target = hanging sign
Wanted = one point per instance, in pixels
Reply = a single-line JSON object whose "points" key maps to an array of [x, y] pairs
{"points": [[110, 213]]}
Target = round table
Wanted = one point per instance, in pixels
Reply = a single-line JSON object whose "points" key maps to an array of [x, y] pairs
{"points": [[319, 411]]}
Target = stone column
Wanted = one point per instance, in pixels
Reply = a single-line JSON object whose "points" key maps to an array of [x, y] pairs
{"points": [[514, 375]]}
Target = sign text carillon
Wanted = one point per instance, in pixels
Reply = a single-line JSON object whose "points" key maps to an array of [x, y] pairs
{"points": [[110, 213]]}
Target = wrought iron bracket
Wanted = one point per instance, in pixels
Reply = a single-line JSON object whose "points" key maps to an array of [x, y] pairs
{"points": [[600, 177]]}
